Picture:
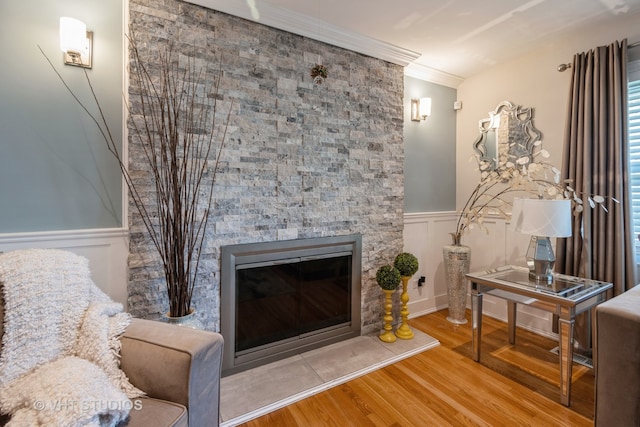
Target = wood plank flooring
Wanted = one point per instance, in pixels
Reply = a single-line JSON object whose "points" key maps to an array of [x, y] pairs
{"points": [[512, 385]]}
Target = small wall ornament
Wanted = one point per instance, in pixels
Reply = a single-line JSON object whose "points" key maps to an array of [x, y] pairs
{"points": [[319, 74]]}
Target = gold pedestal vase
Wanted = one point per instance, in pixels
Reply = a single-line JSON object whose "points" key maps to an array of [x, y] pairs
{"points": [[457, 259], [387, 335], [403, 331]]}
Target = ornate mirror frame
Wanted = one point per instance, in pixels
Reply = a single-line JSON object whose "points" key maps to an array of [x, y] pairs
{"points": [[506, 135]]}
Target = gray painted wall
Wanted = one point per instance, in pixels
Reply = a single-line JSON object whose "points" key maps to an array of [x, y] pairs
{"points": [[430, 149], [55, 173]]}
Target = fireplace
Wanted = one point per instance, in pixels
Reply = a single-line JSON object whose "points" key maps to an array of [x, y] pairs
{"points": [[286, 297]]}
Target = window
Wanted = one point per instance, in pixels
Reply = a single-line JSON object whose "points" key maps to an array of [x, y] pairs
{"points": [[634, 146]]}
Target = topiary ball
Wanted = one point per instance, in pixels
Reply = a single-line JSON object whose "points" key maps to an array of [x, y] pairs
{"points": [[406, 263], [388, 277]]}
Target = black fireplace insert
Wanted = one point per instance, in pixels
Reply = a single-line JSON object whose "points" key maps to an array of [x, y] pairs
{"points": [[286, 297]]}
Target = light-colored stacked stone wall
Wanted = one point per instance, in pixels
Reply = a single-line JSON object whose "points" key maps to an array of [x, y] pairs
{"points": [[301, 159]]}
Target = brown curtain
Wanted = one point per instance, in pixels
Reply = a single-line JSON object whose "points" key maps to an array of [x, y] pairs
{"points": [[595, 158]]}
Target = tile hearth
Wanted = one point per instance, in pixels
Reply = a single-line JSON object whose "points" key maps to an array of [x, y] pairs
{"points": [[255, 392]]}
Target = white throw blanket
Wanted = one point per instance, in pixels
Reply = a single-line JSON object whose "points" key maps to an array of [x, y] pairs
{"points": [[59, 362]]}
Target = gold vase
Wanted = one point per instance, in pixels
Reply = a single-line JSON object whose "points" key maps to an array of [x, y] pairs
{"points": [[387, 335], [404, 332]]}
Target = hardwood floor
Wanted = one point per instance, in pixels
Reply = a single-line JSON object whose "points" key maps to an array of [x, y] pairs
{"points": [[512, 385]]}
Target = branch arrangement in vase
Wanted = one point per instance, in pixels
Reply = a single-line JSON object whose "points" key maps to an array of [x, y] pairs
{"points": [[524, 175], [174, 123]]}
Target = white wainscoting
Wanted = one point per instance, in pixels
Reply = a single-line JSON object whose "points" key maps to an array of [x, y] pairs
{"points": [[424, 236], [106, 249]]}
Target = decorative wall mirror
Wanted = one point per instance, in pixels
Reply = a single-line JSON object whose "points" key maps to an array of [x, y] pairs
{"points": [[506, 135]]}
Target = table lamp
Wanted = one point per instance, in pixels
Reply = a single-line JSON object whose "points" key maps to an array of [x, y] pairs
{"points": [[542, 219]]}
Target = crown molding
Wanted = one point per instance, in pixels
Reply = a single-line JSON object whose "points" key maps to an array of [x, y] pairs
{"points": [[312, 28], [432, 75]]}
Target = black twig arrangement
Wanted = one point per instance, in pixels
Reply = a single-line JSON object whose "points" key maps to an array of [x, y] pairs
{"points": [[176, 127]]}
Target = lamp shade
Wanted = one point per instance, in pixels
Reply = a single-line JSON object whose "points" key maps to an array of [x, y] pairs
{"points": [[542, 217], [73, 35], [424, 108]]}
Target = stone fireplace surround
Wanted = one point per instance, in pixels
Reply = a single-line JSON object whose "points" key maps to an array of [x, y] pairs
{"points": [[300, 160]]}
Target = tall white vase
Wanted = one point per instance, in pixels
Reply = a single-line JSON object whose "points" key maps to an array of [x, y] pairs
{"points": [[457, 259]]}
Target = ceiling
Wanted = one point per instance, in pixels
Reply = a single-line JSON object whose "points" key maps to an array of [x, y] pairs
{"points": [[456, 38]]}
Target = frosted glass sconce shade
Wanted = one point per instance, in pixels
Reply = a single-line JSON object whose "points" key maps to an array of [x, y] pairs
{"points": [[425, 108], [75, 42], [420, 109]]}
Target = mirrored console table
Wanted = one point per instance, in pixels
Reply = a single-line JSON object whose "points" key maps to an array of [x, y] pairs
{"points": [[566, 297]]}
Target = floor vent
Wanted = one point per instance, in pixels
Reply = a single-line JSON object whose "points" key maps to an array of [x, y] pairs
{"points": [[578, 358]]}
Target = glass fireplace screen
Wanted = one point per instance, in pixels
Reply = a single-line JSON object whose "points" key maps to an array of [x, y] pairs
{"points": [[290, 298]]}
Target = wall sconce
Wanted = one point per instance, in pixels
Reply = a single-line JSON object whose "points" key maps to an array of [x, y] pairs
{"points": [[420, 109], [76, 42]]}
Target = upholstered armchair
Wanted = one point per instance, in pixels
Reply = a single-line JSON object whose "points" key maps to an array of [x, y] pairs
{"points": [[177, 368], [618, 360]]}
